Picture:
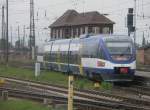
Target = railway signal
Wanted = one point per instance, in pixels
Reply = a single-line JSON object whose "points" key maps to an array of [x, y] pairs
{"points": [[130, 26]]}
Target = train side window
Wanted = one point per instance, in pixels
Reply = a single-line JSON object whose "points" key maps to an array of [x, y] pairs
{"points": [[100, 53], [74, 54], [46, 56], [53, 56], [89, 50]]}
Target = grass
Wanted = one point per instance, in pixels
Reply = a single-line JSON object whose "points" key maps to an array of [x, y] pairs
{"points": [[46, 76], [18, 104], [106, 86]]}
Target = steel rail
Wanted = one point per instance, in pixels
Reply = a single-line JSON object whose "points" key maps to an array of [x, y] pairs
{"points": [[97, 104], [97, 96]]}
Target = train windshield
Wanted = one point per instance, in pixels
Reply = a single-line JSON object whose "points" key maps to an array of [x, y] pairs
{"points": [[119, 48]]}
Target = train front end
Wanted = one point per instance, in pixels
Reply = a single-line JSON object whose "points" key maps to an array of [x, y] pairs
{"points": [[119, 56]]}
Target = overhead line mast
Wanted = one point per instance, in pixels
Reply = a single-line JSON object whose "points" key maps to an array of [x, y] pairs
{"points": [[32, 30], [135, 21], [3, 32], [3, 22], [7, 37]]}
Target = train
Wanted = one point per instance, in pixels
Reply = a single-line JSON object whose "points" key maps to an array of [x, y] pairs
{"points": [[110, 58]]}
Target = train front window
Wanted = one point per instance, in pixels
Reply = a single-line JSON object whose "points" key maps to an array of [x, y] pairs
{"points": [[119, 48]]}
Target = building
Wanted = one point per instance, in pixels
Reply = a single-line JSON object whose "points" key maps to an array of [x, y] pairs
{"points": [[143, 55], [72, 24]]}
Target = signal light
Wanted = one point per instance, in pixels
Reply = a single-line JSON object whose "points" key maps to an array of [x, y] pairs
{"points": [[130, 17], [130, 20]]}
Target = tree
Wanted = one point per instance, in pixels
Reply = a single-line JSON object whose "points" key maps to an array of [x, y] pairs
{"points": [[3, 44]]}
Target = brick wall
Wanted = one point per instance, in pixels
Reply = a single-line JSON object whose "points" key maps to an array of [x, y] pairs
{"points": [[140, 56], [143, 56], [147, 56]]}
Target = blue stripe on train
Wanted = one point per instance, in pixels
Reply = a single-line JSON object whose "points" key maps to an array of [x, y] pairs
{"points": [[104, 71], [109, 74]]}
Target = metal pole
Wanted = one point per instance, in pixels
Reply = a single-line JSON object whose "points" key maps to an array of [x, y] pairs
{"points": [[32, 30], [18, 37], [24, 34], [3, 32], [7, 44], [70, 92], [3, 22], [135, 22], [30, 35], [11, 38]]}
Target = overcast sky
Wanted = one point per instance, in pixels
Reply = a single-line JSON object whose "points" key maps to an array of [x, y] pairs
{"points": [[47, 11]]}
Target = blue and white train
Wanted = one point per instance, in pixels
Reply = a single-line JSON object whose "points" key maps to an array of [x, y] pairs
{"points": [[101, 57]]}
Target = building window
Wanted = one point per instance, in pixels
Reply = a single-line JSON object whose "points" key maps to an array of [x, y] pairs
{"points": [[82, 30], [58, 33], [51, 34], [90, 30], [100, 30], [106, 30], [74, 32], [67, 33], [96, 30], [79, 31], [55, 33]]}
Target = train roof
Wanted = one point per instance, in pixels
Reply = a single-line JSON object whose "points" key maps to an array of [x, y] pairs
{"points": [[106, 37], [117, 38]]}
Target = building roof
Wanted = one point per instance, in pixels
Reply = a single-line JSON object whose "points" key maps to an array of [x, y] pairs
{"points": [[72, 17]]}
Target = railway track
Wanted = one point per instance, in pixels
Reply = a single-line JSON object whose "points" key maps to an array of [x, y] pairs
{"points": [[32, 95], [140, 87], [93, 96], [135, 89], [95, 105], [140, 80]]}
